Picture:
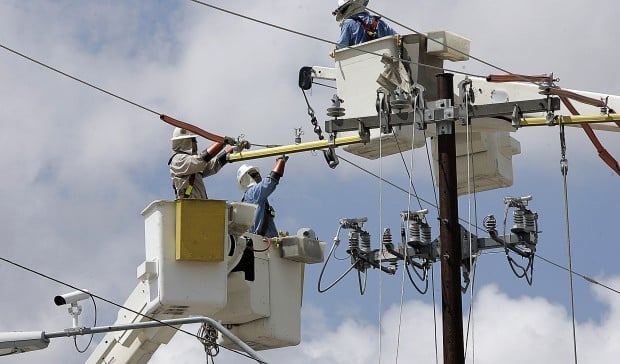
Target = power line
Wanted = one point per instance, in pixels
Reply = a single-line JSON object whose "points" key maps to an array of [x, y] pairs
{"points": [[456, 50], [385, 180], [244, 17], [107, 301], [588, 279], [154, 112], [302, 34], [272, 25], [263, 22], [78, 80]]}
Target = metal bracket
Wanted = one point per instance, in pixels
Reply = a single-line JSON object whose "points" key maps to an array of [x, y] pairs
{"points": [[517, 115], [442, 115], [445, 127], [605, 107], [439, 110], [364, 133]]}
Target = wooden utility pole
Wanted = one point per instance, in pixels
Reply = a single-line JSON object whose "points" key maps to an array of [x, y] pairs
{"points": [[450, 244]]}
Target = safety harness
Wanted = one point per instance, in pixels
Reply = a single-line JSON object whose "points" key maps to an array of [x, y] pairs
{"points": [[371, 30], [192, 178]]}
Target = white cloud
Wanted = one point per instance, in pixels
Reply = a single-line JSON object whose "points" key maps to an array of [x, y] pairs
{"points": [[505, 329], [79, 165]]}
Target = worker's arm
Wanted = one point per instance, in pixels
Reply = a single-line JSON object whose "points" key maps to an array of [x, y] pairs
{"points": [[278, 169], [215, 164]]}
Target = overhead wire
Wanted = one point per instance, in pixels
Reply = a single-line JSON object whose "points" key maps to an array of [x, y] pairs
{"points": [[404, 247], [302, 34], [79, 80], [280, 28], [585, 277], [470, 315], [564, 170], [380, 298], [234, 14], [471, 187], [428, 158], [263, 23], [46, 276], [381, 177], [524, 79], [412, 192]]}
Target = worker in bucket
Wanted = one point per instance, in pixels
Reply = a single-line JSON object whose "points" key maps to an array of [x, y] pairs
{"points": [[257, 191], [357, 25], [188, 168]]}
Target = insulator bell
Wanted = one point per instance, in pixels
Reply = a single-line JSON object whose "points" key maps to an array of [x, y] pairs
{"points": [[365, 246]]}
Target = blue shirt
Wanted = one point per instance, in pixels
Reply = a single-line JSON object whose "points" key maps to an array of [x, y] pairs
{"points": [[258, 195], [353, 33]]}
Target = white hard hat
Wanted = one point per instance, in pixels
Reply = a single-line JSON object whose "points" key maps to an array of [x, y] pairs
{"points": [[340, 7], [243, 176], [342, 2], [346, 8], [180, 133]]}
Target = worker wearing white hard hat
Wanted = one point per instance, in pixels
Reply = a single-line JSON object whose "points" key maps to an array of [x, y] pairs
{"points": [[257, 191], [188, 168], [357, 25]]}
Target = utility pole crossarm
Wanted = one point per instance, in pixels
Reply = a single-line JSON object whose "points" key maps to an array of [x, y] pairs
{"points": [[508, 108], [367, 122], [513, 111]]}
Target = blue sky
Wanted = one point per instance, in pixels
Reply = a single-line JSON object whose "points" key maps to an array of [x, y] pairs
{"points": [[80, 165]]}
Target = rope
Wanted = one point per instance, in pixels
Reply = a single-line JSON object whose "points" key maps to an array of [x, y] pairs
{"points": [[400, 311], [380, 219], [469, 239], [564, 169], [430, 168], [402, 283], [470, 315]]}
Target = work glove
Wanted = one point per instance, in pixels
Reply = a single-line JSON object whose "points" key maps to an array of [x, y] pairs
{"points": [[229, 140], [222, 159], [278, 169]]}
